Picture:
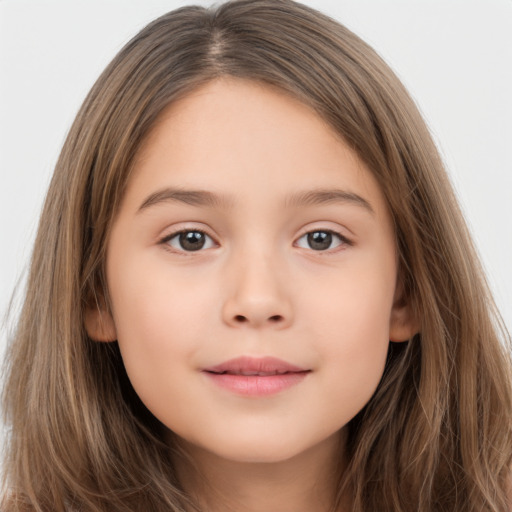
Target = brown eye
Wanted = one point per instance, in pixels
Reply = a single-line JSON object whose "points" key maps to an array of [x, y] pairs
{"points": [[189, 241], [322, 240]]}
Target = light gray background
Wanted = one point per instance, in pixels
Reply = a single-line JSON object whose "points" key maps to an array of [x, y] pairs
{"points": [[455, 56]]}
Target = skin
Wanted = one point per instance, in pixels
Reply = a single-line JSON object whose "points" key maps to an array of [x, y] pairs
{"points": [[256, 288]]}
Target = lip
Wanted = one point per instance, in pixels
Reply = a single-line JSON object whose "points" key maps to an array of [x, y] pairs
{"points": [[250, 376]]}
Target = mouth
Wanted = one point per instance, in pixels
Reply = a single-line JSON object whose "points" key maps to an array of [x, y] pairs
{"points": [[250, 366], [251, 376], [250, 373]]}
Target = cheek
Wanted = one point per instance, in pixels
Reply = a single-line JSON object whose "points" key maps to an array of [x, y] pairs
{"points": [[157, 303], [352, 328], [354, 303], [160, 321]]}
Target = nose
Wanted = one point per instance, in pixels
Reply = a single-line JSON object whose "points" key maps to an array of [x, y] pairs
{"points": [[258, 295]]}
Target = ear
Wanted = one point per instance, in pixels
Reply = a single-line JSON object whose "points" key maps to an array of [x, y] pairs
{"points": [[403, 324], [99, 323]]}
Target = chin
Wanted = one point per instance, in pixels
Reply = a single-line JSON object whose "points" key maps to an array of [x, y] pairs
{"points": [[256, 455], [258, 449]]}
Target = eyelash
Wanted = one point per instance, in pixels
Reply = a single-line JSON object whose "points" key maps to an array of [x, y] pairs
{"points": [[344, 241]]}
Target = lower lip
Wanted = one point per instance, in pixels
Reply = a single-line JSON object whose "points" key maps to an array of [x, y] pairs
{"points": [[257, 385]]}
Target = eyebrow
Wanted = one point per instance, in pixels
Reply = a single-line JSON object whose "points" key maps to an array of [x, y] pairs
{"points": [[205, 198]]}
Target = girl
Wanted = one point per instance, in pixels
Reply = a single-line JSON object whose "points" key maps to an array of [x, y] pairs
{"points": [[252, 289]]}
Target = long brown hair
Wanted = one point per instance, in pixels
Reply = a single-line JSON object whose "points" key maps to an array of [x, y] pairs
{"points": [[436, 436]]}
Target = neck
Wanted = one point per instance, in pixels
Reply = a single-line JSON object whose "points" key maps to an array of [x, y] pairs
{"points": [[307, 482]]}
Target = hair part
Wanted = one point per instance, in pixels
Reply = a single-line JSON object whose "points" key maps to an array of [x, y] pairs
{"points": [[437, 433]]}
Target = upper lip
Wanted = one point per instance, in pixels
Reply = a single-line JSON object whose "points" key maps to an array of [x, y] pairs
{"points": [[247, 365]]}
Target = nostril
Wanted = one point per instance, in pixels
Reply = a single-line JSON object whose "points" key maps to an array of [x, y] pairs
{"points": [[274, 318]]}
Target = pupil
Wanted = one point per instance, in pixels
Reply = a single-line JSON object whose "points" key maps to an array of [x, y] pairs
{"points": [[319, 240], [192, 240]]}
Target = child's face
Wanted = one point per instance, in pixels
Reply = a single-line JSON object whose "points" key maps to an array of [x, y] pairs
{"points": [[255, 284]]}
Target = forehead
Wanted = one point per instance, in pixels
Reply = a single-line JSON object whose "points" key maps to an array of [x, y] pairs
{"points": [[240, 137], [225, 101]]}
